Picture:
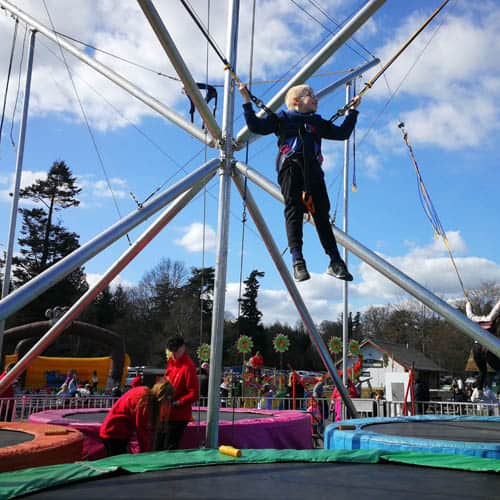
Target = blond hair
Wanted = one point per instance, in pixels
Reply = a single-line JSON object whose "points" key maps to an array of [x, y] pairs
{"points": [[153, 398], [295, 92]]}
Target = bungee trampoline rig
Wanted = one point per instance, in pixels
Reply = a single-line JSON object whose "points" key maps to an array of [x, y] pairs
{"points": [[223, 139]]}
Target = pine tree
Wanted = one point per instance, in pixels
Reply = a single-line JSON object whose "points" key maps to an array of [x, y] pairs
{"points": [[43, 241], [250, 316]]}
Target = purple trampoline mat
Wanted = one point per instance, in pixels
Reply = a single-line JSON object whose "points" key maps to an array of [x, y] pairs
{"points": [[198, 416], [242, 428]]}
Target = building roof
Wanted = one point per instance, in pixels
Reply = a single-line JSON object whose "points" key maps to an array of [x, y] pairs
{"points": [[405, 356], [471, 365]]}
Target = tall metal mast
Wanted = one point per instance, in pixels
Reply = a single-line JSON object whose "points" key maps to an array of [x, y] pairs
{"points": [[226, 156], [17, 182]]}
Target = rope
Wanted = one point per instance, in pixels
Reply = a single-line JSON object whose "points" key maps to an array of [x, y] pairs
{"points": [[12, 50], [326, 28], [203, 237], [354, 186], [177, 79], [429, 209], [18, 89], [392, 94], [386, 66], [227, 66], [84, 114], [244, 213]]}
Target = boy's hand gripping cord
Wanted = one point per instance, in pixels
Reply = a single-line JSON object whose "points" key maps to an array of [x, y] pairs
{"points": [[382, 70]]}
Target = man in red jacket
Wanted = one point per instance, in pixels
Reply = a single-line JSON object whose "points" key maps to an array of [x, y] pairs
{"points": [[181, 373]]}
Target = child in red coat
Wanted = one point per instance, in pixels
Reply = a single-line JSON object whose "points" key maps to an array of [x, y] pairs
{"points": [[139, 411]]}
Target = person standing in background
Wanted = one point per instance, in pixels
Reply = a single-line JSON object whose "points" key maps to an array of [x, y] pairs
{"points": [[181, 373]]}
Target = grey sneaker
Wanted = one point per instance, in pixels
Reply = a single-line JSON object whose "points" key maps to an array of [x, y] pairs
{"points": [[339, 270], [300, 270]]}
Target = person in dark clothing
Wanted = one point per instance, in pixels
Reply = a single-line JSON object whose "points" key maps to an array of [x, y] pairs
{"points": [[300, 176], [422, 395], [203, 380]]}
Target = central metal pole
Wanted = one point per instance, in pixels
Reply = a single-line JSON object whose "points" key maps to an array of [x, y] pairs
{"points": [[216, 343], [17, 182], [345, 287]]}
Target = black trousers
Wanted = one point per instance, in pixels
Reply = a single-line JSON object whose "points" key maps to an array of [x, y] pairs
{"points": [[115, 446], [291, 181], [169, 435]]}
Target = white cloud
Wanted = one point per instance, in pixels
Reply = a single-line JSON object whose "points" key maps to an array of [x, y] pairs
{"points": [[122, 29], [193, 238], [447, 83], [28, 177], [93, 278], [428, 265]]}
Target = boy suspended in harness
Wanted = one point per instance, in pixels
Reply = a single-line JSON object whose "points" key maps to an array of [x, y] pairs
{"points": [[300, 176]]}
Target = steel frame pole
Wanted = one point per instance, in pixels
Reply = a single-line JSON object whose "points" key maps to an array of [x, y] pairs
{"points": [[216, 343], [317, 61], [22, 295], [180, 67], [454, 316], [292, 290], [122, 82], [86, 299], [17, 182], [345, 224], [326, 91]]}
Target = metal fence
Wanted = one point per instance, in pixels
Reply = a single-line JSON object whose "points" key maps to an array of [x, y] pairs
{"points": [[20, 408]]}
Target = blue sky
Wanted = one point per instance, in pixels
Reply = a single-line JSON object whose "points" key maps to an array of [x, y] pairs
{"points": [[446, 89]]}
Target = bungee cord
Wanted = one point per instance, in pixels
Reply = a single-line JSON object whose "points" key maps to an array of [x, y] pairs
{"points": [[9, 71], [89, 128], [429, 208], [385, 67]]}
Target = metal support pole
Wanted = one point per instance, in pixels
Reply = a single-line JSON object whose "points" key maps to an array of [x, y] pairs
{"points": [[86, 299], [455, 317], [345, 287], [182, 70], [324, 92], [17, 182], [293, 291], [122, 82], [21, 296], [319, 59], [216, 344]]}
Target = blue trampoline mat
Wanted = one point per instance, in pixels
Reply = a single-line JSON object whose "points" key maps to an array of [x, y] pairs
{"points": [[473, 436]]}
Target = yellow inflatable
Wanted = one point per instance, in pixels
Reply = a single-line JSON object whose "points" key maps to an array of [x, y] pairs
{"points": [[46, 370]]}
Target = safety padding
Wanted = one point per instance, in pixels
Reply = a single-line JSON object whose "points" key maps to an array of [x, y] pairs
{"points": [[52, 444]]}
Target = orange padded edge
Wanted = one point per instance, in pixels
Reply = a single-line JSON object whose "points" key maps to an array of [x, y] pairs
{"points": [[53, 444]]}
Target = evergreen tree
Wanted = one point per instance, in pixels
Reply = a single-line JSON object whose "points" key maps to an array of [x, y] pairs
{"points": [[250, 316], [44, 241], [248, 303]]}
